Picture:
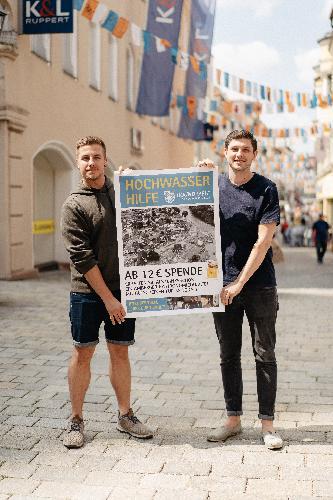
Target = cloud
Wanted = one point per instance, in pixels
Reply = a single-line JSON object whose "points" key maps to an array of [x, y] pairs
{"points": [[250, 60], [261, 8], [326, 10], [304, 64]]}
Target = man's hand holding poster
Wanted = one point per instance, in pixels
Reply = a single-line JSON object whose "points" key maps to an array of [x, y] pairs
{"points": [[169, 241]]}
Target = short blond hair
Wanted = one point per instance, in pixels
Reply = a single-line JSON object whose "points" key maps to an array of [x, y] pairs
{"points": [[88, 141]]}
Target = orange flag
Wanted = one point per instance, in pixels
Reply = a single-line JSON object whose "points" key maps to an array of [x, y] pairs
{"points": [[304, 100], [227, 107], [89, 9], [195, 64], [218, 76], [191, 106], [120, 28], [241, 86], [166, 43]]}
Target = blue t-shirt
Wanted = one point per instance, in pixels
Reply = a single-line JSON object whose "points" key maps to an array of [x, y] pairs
{"points": [[242, 209], [321, 227]]}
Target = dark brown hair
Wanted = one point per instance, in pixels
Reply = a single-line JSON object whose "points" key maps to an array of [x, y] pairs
{"points": [[241, 134]]}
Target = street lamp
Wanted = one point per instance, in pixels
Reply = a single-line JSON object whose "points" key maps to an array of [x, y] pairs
{"points": [[2, 19]]}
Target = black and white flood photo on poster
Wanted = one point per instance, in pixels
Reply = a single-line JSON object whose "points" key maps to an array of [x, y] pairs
{"points": [[168, 235]]}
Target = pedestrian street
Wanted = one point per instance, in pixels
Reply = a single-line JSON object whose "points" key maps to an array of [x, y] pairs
{"points": [[176, 390]]}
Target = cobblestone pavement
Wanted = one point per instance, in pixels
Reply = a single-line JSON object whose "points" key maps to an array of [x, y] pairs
{"points": [[177, 389]]}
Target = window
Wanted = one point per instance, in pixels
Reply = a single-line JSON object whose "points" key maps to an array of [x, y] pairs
{"points": [[41, 46], [130, 78], [70, 50], [113, 68], [95, 56]]}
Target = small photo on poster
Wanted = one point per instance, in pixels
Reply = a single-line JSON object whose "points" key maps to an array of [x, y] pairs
{"points": [[169, 234]]}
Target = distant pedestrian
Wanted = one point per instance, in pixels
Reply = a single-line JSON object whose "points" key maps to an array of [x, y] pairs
{"points": [[284, 228], [90, 236], [320, 236], [249, 213]]}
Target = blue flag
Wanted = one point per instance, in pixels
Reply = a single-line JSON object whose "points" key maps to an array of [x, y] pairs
{"points": [[110, 21], [157, 68], [77, 4], [200, 43]]}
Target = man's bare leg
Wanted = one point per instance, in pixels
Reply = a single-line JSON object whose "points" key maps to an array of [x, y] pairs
{"points": [[120, 375], [79, 377], [232, 421], [267, 425]]}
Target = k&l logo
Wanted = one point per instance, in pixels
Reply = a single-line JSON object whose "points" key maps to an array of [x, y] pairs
{"points": [[47, 16]]}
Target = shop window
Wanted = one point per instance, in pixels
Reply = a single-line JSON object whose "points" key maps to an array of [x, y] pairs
{"points": [[41, 46], [130, 79], [113, 68], [70, 48], [95, 56]]}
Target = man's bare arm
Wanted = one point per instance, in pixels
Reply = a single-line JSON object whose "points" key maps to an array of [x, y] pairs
{"points": [[255, 259], [113, 306]]}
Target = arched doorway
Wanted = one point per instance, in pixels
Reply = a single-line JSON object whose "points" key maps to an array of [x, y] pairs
{"points": [[54, 176]]}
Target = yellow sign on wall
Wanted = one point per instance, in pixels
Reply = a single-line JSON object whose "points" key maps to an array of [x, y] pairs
{"points": [[45, 226]]}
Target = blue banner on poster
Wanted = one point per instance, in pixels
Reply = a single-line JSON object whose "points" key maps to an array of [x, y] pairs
{"points": [[157, 68], [166, 189], [200, 43], [46, 16]]}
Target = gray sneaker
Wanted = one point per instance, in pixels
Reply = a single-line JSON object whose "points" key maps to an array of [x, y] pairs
{"points": [[223, 433], [74, 435], [130, 424]]}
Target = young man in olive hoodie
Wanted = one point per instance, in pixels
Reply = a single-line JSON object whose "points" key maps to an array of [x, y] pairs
{"points": [[90, 236]]}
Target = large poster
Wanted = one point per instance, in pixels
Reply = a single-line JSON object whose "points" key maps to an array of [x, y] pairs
{"points": [[169, 241]]}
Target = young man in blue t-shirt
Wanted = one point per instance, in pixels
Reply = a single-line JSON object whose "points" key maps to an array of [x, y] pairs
{"points": [[249, 213]]}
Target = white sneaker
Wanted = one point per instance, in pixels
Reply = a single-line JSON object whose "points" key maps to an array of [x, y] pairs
{"points": [[272, 440]]}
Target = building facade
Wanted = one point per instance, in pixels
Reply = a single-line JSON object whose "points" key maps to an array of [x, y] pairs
{"points": [[55, 89], [324, 143]]}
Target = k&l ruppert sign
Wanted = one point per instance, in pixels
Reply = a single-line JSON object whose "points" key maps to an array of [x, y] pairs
{"points": [[46, 16]]}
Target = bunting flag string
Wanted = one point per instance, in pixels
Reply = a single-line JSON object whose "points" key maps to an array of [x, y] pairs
{"points": [[267, 99], [277, 101]]}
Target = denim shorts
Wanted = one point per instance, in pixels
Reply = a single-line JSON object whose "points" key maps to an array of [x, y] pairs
{"points": [[87, 312]]}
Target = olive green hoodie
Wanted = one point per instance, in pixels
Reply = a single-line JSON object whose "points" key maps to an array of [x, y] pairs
{"points": [[88, 225]]}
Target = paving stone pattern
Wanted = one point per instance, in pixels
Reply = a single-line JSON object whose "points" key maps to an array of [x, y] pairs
{"points": [[177, 390]]}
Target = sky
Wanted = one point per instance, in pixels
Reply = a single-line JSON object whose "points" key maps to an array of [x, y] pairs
{"points": [[272, 42]]}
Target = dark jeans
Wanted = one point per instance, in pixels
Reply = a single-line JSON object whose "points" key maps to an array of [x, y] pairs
{"points": [[321, 247], [260, 307]]}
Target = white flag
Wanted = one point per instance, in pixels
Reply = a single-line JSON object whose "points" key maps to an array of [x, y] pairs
{"points": [[255, 90], [184, 60], [200, 108], [234, 83], [160, 47], [136, 33], [100, 13]]}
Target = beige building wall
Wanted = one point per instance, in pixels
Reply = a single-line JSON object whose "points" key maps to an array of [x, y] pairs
{"points": [[44, 110], [324, 144]]}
